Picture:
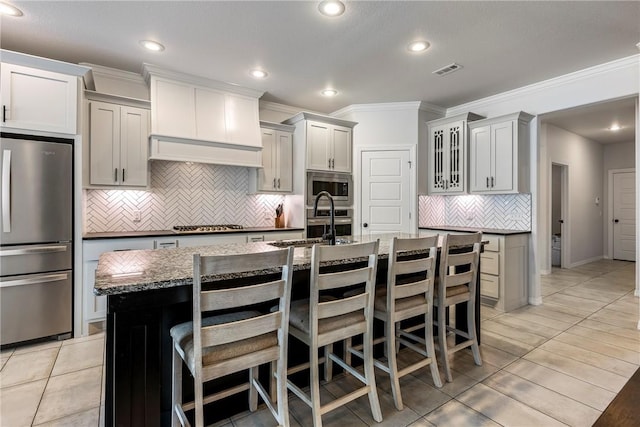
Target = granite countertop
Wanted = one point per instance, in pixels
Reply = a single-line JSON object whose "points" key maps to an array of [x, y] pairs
{"points": [[159, 233], [475, 229], [139, 270]]}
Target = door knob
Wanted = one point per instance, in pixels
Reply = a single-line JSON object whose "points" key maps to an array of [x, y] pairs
{"points": [[616, 221], [365, 225], [561, 221]]}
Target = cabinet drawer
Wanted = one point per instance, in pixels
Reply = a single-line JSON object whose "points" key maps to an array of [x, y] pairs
{"points": [[490, 263], [494, 242], [490, 285]]}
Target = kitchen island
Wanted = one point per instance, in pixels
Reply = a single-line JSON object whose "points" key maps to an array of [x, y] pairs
{"points": [[148, 292]]}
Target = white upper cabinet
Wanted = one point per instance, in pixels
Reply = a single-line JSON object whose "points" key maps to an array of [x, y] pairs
{"points": [[194, 119], [499, 154], [328, 141], [276, 174], [34, 99], [118, 147], [447, 154]]}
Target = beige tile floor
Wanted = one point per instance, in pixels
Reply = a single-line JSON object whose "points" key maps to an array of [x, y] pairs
{"points": [[560, 363]]}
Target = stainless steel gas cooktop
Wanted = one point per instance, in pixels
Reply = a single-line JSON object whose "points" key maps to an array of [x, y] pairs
{"points": [[205, 228]]}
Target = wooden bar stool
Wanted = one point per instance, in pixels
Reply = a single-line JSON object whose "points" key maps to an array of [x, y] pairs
{"points": [[320, 322], [456, 284], [408, 294], [222, 344]]}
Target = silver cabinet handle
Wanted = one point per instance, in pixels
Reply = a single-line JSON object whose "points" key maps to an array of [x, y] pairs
{"points": [[333, 163], [329, 165], [274, 183], [492, 181], [278, 182], [115, 176], [4, 114], [6, 191], [487, 182], [33, 251], [34, 280], [123, 175]]}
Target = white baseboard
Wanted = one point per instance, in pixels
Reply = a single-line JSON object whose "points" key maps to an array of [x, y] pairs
{"points": [[535, 301], [585, 261], [545, 272]]}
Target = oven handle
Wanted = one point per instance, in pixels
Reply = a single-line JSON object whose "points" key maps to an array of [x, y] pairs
{"points": [[34, 280], [326, 220]]}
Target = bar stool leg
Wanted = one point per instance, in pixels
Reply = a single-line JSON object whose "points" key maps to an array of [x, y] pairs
{"points": [[471, 327], [435, 374], [442, 338], [390, 350], [176, 388], [328, 363], [371, 376], [253, 392], [315, 386]]}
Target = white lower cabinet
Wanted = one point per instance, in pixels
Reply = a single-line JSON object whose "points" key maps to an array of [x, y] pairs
{"points": [[504, 273], [94, 308], [504, 270]]}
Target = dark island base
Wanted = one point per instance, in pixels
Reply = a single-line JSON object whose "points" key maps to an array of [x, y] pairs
{"points": [[139, 354]]}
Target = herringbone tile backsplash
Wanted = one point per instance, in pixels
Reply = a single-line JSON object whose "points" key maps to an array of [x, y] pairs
{"points": [[181, 194], [505, 211]]}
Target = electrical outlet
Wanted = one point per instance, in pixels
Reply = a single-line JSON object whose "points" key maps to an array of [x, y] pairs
{"points": [[136, 216]]}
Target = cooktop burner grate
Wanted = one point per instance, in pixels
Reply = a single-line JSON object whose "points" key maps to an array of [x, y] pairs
{"points": [[204, 228]]}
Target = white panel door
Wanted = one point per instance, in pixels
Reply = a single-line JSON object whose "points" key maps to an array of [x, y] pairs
{"points": [[386, 192], [480, 147], [624, 216], [318, 140], [284, 160], [104, 148], [341, 153], [267, 174]]}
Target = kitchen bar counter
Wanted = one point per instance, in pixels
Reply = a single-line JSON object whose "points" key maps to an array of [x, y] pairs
{"points": [[160, 233], [475, 229], [148, 292]]}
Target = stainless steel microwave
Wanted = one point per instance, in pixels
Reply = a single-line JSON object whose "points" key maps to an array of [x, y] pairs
{"points": [[339, 185]]}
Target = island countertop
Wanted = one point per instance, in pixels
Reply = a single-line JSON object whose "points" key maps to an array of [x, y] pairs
{"points": [[123, 272]]}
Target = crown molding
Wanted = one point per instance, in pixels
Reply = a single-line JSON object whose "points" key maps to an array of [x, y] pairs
{"points": [[389, 106], [115, 73], [305, 115], [618, 64], [281, 108], [150, 70]]}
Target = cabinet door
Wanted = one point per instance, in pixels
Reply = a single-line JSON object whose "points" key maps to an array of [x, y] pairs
{"points": [[502, 146], [455, 163], [241, 116], [104, 143], [134, 145], [284, 161], [480, 158], [318, 140], [38, 100], [95, 307], [173, 106], [341, 149], [437, 159], [210, 115], [267, 174]]}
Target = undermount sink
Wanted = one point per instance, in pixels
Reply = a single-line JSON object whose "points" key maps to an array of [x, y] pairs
{"points": [[307, 243]]}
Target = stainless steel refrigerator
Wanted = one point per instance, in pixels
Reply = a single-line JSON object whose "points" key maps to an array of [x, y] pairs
{"points": [[36, 230]]}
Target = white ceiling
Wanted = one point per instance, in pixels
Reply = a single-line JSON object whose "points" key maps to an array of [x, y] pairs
{"points": [[362, 54]]}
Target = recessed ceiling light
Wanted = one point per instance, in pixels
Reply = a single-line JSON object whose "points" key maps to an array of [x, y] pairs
{"points": [[151, 45], [329, 92], [258, 73], [9, 10], [615, 127], [418, 46], [331, 8]]}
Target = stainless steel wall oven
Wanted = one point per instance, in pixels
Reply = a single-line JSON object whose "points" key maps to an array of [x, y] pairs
{"points": [[319, 224]]}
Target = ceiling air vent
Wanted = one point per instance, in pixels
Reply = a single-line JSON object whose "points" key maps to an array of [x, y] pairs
{"points": [[448, 69]]}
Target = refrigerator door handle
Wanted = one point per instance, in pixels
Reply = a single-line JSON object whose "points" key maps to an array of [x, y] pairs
{"points": [[34, 280], [6, 191], [32, 251]]}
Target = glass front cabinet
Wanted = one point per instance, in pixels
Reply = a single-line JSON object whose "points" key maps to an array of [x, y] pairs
{"points": [[447, 156]]}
